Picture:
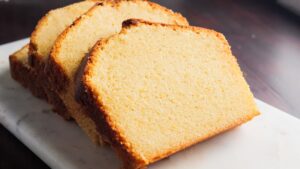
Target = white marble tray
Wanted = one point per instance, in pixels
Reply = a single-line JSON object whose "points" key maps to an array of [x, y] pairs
{"points": [[270, 141]]}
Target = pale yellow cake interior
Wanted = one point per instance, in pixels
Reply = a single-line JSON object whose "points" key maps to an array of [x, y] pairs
{"points": [[165, 88]]}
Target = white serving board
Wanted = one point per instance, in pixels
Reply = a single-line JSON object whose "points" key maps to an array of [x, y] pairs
{"points": [[270, 141]]}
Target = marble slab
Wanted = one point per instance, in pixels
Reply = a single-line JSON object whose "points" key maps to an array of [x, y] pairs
{"points": [[270, 141]]}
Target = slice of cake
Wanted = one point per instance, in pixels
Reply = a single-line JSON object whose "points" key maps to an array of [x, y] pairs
{"points": [[41, 41], [71, 46], [155, 89], [22, 72]]}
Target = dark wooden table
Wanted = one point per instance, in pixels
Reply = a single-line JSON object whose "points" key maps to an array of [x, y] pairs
{"points": [[264, 36]]}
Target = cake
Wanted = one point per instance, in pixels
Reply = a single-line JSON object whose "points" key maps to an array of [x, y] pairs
{"points": [[22, 72], [41, 42], [102, 20], [134, 75], [155, 89]]}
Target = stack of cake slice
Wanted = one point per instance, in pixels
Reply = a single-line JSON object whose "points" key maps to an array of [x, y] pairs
{"points": [[136, 76]]}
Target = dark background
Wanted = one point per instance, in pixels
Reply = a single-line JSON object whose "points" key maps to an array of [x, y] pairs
{"points": [[265, 38]]}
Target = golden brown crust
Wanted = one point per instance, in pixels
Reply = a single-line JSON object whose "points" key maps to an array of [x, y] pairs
{"points": [[135, 22], [28, 77], [108, 135], [25, 76], [155, 6], [106, 127], [33, 57], [179, 15], [84, 95], [56, 75], [52, 95]]}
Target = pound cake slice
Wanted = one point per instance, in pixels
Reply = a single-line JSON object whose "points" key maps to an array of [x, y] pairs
{"points": [[22, 72], [103, 20], [42, 39], [155, 89]]}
